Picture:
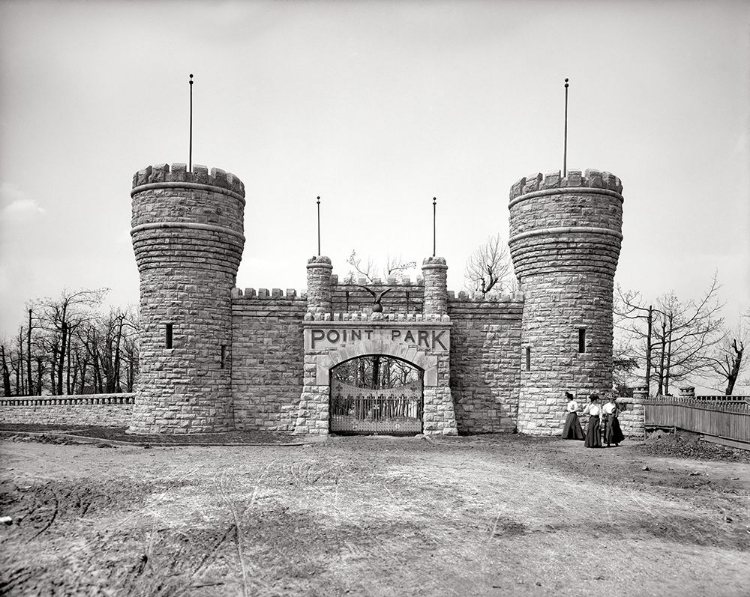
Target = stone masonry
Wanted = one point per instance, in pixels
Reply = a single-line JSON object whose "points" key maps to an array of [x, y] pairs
{"points": [[214, 357], [486, 362], [565, 236], [187, 231], [267, 358], [435, 273], [100, 410], [422, 340]]}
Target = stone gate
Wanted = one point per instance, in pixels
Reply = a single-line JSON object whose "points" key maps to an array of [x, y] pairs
{"points": [[424, 343], [216, 358]]}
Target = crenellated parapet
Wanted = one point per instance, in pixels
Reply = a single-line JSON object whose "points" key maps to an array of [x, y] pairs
{"points": [[575, 179], [565, 224], [379, 317], [490, 298], [179, 176], [184, 219], [264, 293], [400, 282]]}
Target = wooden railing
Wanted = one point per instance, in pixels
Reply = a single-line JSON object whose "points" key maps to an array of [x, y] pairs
{"points": [[728, 420]]}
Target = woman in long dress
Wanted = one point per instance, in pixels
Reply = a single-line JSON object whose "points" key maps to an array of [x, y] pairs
{"points": [[612, 432], [572, 428], [593, 435]]}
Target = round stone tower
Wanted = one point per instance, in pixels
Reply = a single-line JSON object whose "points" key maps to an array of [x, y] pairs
{"points": [[187, 232], [565, 236]]}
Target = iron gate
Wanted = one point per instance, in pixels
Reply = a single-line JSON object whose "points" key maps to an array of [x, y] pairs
{"points": [[365, 411]]}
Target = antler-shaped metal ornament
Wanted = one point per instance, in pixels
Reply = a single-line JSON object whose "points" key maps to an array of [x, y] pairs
{"points": [[376, 306]]}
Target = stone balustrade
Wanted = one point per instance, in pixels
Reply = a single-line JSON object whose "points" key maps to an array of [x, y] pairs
{"points": [[67, 400], [100, 410]]}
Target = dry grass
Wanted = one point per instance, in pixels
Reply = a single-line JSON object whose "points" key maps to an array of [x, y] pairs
{"points": [[487, 516]]}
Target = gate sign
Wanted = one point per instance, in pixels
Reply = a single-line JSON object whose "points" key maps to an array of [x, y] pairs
{"points": [[435, 338], [424, 344]]}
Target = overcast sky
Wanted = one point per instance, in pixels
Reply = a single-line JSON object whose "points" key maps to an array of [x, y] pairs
{"points": [[377, 107]]}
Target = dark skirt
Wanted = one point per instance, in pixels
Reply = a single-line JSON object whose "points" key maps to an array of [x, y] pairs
{"points": [[572, 429], [612, 432], [593, 437]]}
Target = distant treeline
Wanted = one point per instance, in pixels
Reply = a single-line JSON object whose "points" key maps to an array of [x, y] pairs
{"points": [[68, 345]]}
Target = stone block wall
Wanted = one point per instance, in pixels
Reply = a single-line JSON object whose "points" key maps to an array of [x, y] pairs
{"points": [[485, 362], [631, 417], [439, 412], [632, 413], [435, 273], [188, 239], [100, 410], [319, 284], [565, 237], [267, 358]]}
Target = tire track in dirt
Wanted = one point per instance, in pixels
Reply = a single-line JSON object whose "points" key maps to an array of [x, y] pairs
{"points": [[177, 545], [221, 480], [15, 579], [211, 552], [38, 515], [170, 563]]}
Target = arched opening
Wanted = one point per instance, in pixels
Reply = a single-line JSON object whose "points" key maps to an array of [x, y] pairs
{"points": [[376, 394]]}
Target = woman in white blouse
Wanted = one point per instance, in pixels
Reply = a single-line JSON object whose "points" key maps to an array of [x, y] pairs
{"points": [[612, 432], [593, 436], [572, 428]]}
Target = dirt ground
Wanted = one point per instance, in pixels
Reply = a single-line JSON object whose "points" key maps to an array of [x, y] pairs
{"points": [[482, 515]]}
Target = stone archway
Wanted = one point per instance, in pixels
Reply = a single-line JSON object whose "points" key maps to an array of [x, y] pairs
{"points": [[424, 343], [376, 395]]}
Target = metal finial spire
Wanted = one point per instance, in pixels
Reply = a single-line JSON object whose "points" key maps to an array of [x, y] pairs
{"points": [[318, 225], [434, 217], [565, 143], [190, 156]]}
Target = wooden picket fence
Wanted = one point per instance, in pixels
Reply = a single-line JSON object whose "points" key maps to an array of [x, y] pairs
{"points": [[728, 420]]}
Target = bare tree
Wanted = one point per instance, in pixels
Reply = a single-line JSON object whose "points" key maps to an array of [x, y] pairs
{"points": [[73, 348], [130, 350], [630, 314], [113, 328], [678, 337], [687, 334], [29, 330], [19, 364], [489, 267], [61, 317], [395, 267], [376, 372], [5, 370], [728, 358], [624, 367]]}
